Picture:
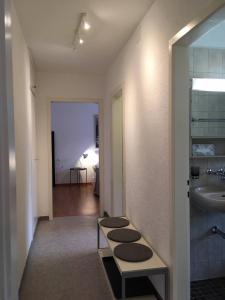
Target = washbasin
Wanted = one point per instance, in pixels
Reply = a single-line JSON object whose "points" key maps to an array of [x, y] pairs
{"points": [[210, 198]]}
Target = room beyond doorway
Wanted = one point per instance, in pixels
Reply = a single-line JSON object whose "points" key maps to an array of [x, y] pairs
{"points": [[74, 200], [75, 159]]}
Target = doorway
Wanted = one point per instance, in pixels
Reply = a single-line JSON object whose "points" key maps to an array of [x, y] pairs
{"points": [[118, 202], [184, 125], [207, 161], [75, 159]]}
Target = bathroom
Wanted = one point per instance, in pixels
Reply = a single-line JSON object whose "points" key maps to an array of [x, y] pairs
{"points": [[207, 165]]}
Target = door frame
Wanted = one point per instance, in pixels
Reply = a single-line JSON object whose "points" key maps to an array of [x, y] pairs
{"points": [[101, 146], [179, 125], [117, 94], [8, 236]]}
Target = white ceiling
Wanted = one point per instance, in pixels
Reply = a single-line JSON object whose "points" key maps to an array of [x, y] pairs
{"points": [[215, 38], [48, 26]]}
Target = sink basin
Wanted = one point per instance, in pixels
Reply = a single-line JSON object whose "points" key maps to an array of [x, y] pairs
{"points": [[210, 198]]}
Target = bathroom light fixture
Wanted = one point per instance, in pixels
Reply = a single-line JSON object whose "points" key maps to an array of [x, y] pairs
{"points": [[208, 84], [82, 27]]}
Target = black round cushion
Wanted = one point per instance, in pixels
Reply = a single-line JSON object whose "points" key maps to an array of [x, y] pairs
{"points": [[124, 235], [133, 252], [114, 222]]}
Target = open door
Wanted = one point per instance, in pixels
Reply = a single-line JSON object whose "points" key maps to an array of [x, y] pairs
{"points": [[117, 156], [53, 158]]}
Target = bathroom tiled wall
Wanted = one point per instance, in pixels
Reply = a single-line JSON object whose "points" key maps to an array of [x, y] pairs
{"points": [[207, 250], [207, 63]]}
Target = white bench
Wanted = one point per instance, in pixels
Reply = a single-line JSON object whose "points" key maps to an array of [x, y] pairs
{"points": [[152, 266]]}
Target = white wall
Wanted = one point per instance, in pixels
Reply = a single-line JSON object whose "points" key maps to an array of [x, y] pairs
{"points": [[74, 128], [142, 68], [24, 112], [55, 86]]}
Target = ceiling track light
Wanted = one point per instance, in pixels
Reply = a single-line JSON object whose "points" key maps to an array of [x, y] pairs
{"points": [[80, 30]]}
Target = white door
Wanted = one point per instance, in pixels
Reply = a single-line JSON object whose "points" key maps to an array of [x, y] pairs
{"points": [[117, 156], [34, 166]]}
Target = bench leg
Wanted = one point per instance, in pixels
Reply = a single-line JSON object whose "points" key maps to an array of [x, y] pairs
{"points": [[98, 236], [166, 285], [123, 288]]}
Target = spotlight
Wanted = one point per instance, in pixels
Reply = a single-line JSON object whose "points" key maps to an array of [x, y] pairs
{"points": [[87, 26], [79, 31], [81, 41]]}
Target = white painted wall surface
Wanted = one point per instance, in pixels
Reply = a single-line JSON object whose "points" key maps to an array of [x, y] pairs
{"points": [[142, 68], [74, 128], [53, 86], [24, 130]]}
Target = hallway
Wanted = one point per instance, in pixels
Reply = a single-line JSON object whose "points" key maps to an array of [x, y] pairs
{"points": [[62, 252], [75, 200], [155, 137]]}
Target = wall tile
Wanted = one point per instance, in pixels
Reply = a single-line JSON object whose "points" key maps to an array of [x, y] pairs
{"points": [[211, 103], [223, 247], [214, 248], [191, 60], [216, 269], [207, 250], [202, 250], [201, 270], [201, 57], [215, 61], [194, 102], [223, 62]]}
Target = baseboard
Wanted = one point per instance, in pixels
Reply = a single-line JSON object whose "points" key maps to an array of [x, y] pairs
{"points": [[24, 269], [74, 183], [43, 218], [35, 227]]}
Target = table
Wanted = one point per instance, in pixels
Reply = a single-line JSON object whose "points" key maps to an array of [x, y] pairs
{"points": [[77, 170], [151, 266]]}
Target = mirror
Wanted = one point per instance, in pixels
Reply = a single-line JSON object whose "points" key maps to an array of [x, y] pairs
{"points": [[207, 114]]}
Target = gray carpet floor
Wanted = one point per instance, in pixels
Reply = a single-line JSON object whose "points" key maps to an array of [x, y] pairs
{"points": [[63, 263]]}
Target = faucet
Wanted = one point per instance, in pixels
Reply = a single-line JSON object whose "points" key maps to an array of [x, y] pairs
{"points": [[210, 171], [216, 230], [220, 172]]}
